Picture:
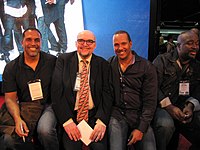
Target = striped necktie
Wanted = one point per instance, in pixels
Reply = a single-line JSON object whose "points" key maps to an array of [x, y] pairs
{"points": [[83, 105]]}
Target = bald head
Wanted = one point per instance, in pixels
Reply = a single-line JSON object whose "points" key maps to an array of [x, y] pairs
{"points": [[187, 45], [86, 33], [86, 43], [187, 36]]}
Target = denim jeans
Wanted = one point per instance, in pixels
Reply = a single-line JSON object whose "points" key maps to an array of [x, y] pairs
{"points": [[118, 136], [7, 142], [19, 23], [164, 127], [59, 24], [1, 37], [43, 28], [53, 42], [46, 130], [9, 22]]}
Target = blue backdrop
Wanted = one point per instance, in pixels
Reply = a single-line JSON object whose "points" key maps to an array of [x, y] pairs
{"points": [[104, 17]]}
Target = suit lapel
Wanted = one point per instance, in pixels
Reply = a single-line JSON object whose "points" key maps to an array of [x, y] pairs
{"points": [[73, 69], [93, 72]]}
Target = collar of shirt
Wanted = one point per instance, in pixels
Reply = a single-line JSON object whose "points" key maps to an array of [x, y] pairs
{"points": [[88, 60]]}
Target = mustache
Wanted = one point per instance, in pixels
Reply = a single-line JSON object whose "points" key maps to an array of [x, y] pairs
{"points": [[118, 50]]}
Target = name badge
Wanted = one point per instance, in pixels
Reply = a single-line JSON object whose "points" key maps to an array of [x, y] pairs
{"points": [[77, 82], [35, 89], [184, 88]]}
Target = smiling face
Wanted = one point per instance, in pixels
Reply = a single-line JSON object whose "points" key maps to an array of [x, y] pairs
{"points": [[188, 45], [31, 43], [85, 44], [122, 46]]}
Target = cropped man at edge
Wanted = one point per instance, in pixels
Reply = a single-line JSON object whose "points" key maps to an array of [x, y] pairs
{"points": [[67, 94], [26, 83], [179, 92], [134, 85]]}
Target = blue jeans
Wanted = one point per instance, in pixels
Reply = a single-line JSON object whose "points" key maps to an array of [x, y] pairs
{"points": [[53, 42], [20, 22], [60, 30], [164, 127], [7, 142], [1, 37], [118, 136], [7, 42], [43, 28], [46, 130]]}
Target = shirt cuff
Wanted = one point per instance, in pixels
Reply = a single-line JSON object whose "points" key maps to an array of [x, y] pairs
{"points": [[195, 102], [100, 122], [68, 122], [165, 102]]}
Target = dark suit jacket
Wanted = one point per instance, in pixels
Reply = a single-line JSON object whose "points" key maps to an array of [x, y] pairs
{"points": [[64, 96]]}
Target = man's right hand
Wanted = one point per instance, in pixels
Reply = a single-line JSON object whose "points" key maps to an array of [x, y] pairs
{"points": [[72, 131], [175, 112], [21, 128]]}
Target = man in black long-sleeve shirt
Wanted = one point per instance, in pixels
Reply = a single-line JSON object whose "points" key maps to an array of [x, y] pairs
{"points": [[134, 84]]}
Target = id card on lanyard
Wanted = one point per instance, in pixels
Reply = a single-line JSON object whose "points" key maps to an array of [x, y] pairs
{"points": [[35, 89], [77, 82], [184, 88]]}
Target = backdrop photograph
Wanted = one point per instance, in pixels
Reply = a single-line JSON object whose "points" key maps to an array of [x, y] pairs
{"points": [[15, 20], [103, 18]]}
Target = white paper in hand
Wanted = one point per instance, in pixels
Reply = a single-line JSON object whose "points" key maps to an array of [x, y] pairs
{"points": [[86, 131]]}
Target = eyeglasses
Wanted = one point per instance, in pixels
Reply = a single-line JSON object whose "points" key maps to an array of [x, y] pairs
{"points": [[88, 42]]}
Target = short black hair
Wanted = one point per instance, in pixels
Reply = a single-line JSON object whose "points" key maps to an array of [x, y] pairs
{"points": [[123, 32], [32, 28]]}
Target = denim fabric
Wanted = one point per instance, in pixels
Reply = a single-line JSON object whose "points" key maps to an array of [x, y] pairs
{"points": [[7, 142], [43, 28], [46, 130], [62, 35], [60, 29], [1, 37], [9, 22], [163, 128], [22, 22], [118, 136], [53, 41]]}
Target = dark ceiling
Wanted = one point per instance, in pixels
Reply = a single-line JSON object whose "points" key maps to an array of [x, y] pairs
{"points": [[183, 13]]}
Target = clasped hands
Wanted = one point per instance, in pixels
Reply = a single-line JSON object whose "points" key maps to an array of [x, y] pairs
{"points": [[184, 116], [74, 134]]}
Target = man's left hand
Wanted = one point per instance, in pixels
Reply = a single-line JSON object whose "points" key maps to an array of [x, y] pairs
{"points": [[98, 132]]}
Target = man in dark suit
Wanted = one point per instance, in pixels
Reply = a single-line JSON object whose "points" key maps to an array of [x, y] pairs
{"points": [[66, 93]]}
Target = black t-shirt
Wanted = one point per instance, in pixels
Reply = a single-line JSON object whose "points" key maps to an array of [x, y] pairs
{"points": [[17, 74]]}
